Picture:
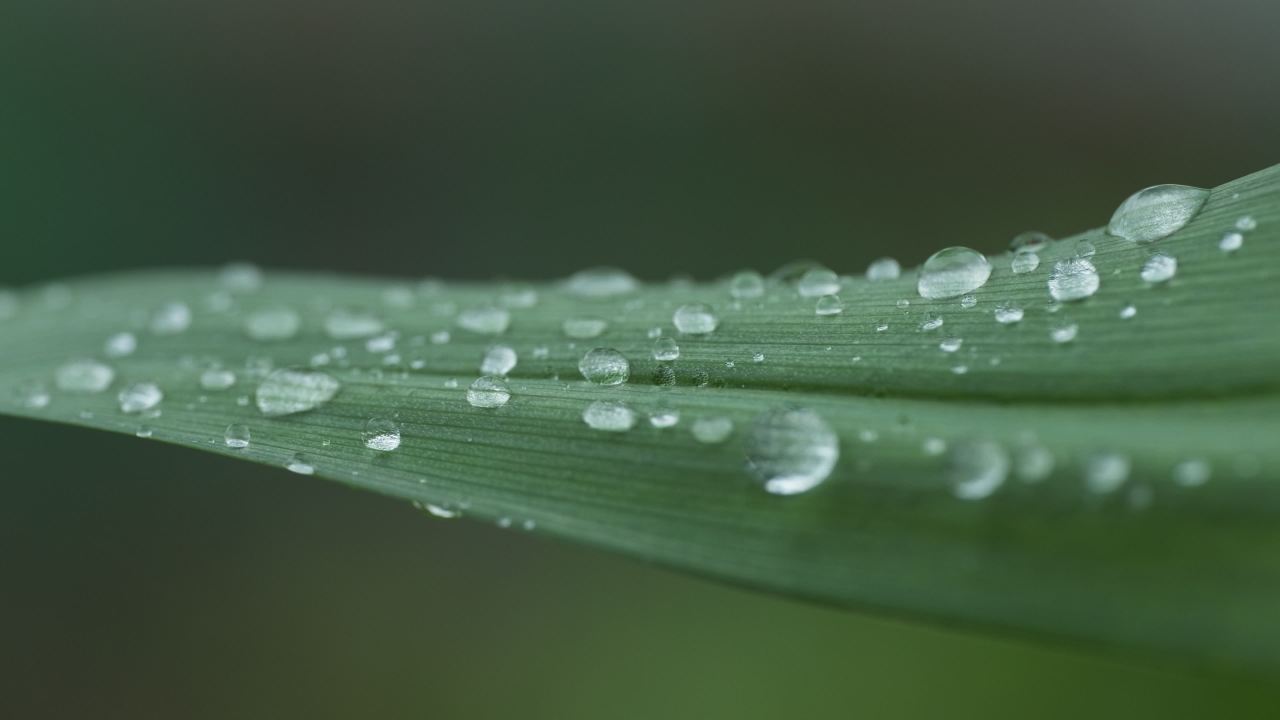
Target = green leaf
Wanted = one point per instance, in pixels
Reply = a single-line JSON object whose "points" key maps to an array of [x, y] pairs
{"points": [[1139, 561]]}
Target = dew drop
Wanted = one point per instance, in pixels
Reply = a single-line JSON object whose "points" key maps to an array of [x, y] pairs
{"points": [[279, 323], [32, 394], [746, 285], [1008, 313], [1105, 472], [584, 328], [1159, 268], [604, 366], [381, 434], [828, 305], [930, 321], [139, 397], [933, 446], [240, 277], [1246, 223], [1073, 279], [968, 301], [757, 357], [83, 376], [976, 469], [171, 319], [712, 430], [902, 303], [1231, 242], [217, 379], [144, 432], [664, 417], [952, 272], [1029, 242], [236, 436], [885, 268], [950, 345], [1128, 311], [1032, 462], [488, 392], [1024, 262], [484, 320], [791, 450], [609, 415], [348, 324], [286, 392], [300, 464], [695, 319], [665, 349], [499, 360], [1156, 212], [1084, 249], [1065, 333], [1192, 473], [518, 296], [122, 344], [601, 282], [817, 282]]}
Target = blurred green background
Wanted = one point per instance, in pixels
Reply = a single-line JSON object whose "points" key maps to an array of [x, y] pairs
{"points": [[504, 138]]}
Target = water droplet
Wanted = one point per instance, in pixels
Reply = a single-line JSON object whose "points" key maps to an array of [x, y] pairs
{"points": [[498, 360], [885, 268], [791, 450], [604, 366], [746, 285], [1032, 462], [712, 430], [300, 464], [285, 391], [950, 345], [976, 469], [1073, 279], [139, 397], [488, 392], [484, 320], [1007, 313], [1105, 472], [1156, 212], [217, 379], [1246, 223], [240, 277], [930, 321], [952, 272], [757, 357], [1064, 333], [171, 319], [440, 337], [236, 436], [1192, 473], [1084, 249], [348, 324], [1023, 263], [584, 328], [439, 511], [1231, 242], [828, 305], [83, 376], [695, 319], [881, 326], [383, 343], [122, 344], [665, 349], [968, 301], [381, 434], [143, 432], [1128, 311], [933, 446], [903, 303], [609, 415], [601, 282], [817, 282], [32, 394], [279, 323], [959, 369], [664, 417], [519, 296], [1029, 242], [1159, 268]]}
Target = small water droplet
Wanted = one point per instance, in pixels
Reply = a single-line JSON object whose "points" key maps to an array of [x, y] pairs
{"points": [[139, 397], [498, 360], [1007, 313], [1246, 223], [1128, 311], [278, 323], [950, 345], [695, 319], [383, 343], [665, 349], [1156, 212], [83, 376], [1032, 462], [930, 321], [960, 369], [968, 301], [144, 432], [1073, 279], [1023, 263], [976, 469], [712, 430], [609, 415], [381, 434], [1064, 333], [791, 450], [171, 319], [757, 357], [881, 326], [828, 305], [1192, 472], [1231, 242], [1029, 242], [1105, 472], [1159, 268], [885, 268], [122, 344], [584, 328], [286, 392], [1084, 249], [484, 320], [664, 417], [236, 436], [933, 446], [440, 337], [349, 324], [240, 277], [604, 366], [217, 379], [488, 392], [601, 282], [32, 394], [903, 303], [519, 296], [953, 272], [817, 282], [746, 285], [300, 464]]}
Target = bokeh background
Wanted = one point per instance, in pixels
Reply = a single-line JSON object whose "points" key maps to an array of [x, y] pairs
{"points": [[484, 138]]}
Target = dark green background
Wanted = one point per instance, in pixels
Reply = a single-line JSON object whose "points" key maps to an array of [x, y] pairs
{"points": [[523, 139]]}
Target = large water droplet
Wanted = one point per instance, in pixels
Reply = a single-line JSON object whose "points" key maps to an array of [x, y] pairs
{"points": [[285, 391], [605, 366], [83, 376], [1159, 268], [122, 344], [381, 434], [791, 450], [236, 436], [347, 324], [601, 282], [279, 323], [952, 272], [1073, 279], [488, 392], [139, 397], [584, 328], [484, 320], [818, 282], [665, 349], [498, 360], [885, 268], [171, 319], [1156, 212], [977, 469], [609, 415], [712, 430], [746, 285], [695, 319]]}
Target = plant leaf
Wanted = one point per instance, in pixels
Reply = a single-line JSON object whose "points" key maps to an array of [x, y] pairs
{"points": [[1153, 561]]}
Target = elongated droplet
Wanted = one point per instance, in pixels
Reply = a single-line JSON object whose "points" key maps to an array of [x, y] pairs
{"points": [[601, 282], [83, 376], [791, 450], [952, 272], [345, 324], [1073, 279], [217, 379], [609, 415], [1029, 242], [664, 417], [279, 323], [487, 320], [1156, 212], [286, 392], [584, 328]]}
